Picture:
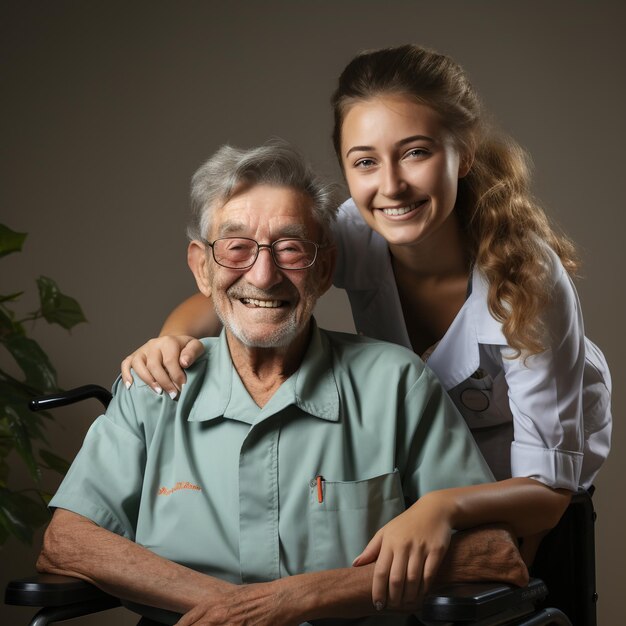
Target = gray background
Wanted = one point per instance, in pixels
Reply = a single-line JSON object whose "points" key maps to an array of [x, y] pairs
{"points": [[107, 108]]}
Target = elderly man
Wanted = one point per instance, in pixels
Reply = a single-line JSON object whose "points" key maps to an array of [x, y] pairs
{"points": [[246, 500]]}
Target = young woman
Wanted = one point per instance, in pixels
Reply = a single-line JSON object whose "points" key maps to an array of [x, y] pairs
{"points": [[443, 250]]}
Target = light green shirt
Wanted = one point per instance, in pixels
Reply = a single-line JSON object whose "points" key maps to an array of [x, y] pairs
{"points": [[220, 485]]}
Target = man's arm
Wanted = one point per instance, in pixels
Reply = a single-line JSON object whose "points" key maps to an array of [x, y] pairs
{"points": [[480, 554], [75, 546]]}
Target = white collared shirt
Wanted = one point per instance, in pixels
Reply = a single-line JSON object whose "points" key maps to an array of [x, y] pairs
{"points": [[526, 415]]}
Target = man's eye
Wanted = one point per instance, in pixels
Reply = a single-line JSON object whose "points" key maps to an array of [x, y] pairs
{"points": [[289, 247]]}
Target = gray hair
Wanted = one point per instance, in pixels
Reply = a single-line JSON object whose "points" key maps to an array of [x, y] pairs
{"points": [[274, 163]]}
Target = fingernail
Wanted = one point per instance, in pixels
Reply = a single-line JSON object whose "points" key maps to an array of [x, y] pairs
{"points": [[355, 561], [173, 394], [158, 390], [184, 362], [379, 606], [127, 384]]}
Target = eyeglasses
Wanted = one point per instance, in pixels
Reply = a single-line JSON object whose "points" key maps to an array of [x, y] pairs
{"points": [[241, 253]]}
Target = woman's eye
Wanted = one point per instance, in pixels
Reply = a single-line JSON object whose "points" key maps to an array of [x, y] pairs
{"points": [[364, 163], [417, 153]]}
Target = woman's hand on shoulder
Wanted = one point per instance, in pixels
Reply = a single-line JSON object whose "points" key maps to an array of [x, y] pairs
{"points": [[408, 552], [160, 362]]}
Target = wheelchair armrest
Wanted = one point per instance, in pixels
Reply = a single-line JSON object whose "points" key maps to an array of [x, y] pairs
{"points": [[71, 396], [52, 590], [479, 601]]}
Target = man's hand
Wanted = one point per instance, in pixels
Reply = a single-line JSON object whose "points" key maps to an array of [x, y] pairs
{"points": [[486, 553], [261, 604]]}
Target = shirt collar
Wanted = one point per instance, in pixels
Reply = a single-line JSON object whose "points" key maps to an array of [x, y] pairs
{"points": [[214, 390], [457, 355]]}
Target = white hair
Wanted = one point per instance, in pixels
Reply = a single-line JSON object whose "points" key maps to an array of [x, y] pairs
{"points": [[274, 163]]}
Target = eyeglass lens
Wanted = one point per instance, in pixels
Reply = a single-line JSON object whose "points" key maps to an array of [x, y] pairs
{"points": [[239, 253]]}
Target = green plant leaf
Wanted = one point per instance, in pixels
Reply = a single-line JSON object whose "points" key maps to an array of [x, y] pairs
{"points": [[10, 241], [46, 497], [8, 325], [4, 535], [21, 515], [4, 470], [56, 307], [12, 297], [34, 362], [54, 462], [22, 441]]}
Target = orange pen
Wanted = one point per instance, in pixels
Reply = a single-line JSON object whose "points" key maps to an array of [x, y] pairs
{"points": [[320, 490]]}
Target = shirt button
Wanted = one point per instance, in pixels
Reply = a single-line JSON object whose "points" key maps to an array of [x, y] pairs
{"points": [[312, 482]]}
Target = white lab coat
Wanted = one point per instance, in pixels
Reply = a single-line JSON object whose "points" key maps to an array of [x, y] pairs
{"points": [[547, 417]]}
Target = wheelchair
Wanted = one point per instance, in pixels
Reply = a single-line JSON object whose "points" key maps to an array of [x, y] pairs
{"points": [[561, 590]]}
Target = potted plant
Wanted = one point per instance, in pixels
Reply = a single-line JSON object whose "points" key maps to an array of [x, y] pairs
{"points": [[23, 511]]}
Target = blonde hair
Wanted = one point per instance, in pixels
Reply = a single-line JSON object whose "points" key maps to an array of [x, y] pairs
{"points": [[507, 230]]}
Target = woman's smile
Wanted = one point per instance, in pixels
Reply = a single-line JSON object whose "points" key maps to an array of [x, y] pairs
{"points": [[402, 167]]}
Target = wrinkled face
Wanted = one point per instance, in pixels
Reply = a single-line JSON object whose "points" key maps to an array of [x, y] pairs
{"points": [[401, 165], [265, 306]]}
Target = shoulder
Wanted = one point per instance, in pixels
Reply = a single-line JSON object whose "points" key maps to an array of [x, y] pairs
{"points": [[361, 252], [362, 358]]}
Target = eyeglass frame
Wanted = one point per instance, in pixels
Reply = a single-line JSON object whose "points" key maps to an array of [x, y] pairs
{"points": [[270, 247]]}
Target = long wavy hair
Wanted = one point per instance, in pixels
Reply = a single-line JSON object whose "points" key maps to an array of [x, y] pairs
{"points": [[507, 231]]}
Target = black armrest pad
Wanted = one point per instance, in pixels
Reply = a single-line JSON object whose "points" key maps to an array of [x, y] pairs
{"points": [[51, 590], [473, 601]]}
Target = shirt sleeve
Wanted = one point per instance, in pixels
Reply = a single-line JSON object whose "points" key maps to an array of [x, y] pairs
{"points": [[440, 450], [104, 482], [545, 395]]}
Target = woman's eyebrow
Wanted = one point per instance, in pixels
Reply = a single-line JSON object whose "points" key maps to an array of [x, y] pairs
{"points": [[400, 143]]}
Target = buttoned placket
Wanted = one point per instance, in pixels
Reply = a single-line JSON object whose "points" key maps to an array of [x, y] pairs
{"points": [[259, 552]]}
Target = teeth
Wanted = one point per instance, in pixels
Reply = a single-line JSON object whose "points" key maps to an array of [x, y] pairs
{"points": [[267, 304], [401, 210]]}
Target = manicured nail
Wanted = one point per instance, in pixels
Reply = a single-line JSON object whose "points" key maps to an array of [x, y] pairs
{"points": [[127, 384], [379, 606], [173, 394], [184, 362], [355, 561], [158, 390]]}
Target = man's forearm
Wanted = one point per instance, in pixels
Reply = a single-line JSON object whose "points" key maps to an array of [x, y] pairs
{"points": [[75, 546], [481, 554]]}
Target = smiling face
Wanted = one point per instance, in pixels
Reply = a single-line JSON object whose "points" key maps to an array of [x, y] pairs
{"points": [[402, 167], [263, 306]]}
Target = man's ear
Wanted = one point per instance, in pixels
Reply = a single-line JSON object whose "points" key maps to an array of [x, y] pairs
{"points": [[326, 260], [198, 262]]}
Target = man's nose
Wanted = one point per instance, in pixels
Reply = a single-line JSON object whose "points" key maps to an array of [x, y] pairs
{"points": [[393, 183], [264, 273]]}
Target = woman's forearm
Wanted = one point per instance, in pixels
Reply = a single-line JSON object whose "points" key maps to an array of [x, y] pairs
{"points": [[195, 317], [526, 505]]}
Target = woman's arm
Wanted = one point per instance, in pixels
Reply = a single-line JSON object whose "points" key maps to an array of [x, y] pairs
{"points": [[160, 362], [195, 316], [409, 550]]}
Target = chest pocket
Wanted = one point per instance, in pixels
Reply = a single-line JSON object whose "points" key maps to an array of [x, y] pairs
{"points": [[483, 400], [348, 516]]}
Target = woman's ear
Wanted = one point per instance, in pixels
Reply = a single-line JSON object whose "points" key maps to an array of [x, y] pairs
{"points": [[465, 163], [198, 261]]}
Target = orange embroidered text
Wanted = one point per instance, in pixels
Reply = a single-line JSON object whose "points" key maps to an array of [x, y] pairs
{"points": [[164, 491]]}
